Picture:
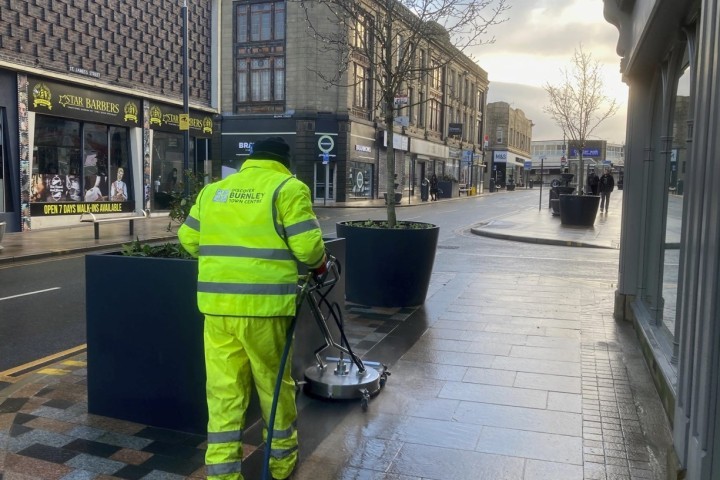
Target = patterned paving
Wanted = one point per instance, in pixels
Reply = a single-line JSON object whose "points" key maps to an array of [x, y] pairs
{"points": [[46, 432]]}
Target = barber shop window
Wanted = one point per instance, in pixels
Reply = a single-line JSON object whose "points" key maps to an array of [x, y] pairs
{"points": [[77, 161]]}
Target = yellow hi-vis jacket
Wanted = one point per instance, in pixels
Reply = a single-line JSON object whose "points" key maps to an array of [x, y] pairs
{"points": [[248, 230]]}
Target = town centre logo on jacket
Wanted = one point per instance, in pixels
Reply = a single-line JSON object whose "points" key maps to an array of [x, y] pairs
{"points": [[238, 195]]}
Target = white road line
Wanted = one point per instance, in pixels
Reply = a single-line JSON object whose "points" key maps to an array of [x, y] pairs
{"points": [[29, 293]]}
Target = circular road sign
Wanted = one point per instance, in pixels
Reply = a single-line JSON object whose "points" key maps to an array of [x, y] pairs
{"points": [[326, 143]]}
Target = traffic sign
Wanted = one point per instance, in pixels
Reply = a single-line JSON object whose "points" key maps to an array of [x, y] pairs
{"points": [[326, 143]]}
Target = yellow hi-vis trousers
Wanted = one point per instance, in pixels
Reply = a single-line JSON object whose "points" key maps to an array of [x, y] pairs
{"points": [[239, 350]]}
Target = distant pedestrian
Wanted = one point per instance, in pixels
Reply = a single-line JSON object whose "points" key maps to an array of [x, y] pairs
{"points": [[593, 183], [433, 187], [607, 185]]}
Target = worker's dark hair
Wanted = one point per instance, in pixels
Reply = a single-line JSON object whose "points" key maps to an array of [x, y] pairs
{"points": [[272, 148]]}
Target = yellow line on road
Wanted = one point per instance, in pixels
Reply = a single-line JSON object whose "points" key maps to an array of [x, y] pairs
{"points": [[42, 362]]}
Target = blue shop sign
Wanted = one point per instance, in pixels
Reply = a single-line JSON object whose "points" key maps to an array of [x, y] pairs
{"points": [[587, 152]]}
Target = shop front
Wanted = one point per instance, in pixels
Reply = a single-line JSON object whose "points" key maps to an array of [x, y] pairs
{"points": [[361, 164], [76, 145], [9, 164], [317, 149], [428, 158], [164, 158], [499, 170]]}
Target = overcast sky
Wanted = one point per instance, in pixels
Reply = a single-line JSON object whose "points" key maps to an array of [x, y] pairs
{"points": [[532, 47]]}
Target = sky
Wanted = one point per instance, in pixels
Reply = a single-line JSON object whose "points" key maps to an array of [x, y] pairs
{"points": [[533, 46]]}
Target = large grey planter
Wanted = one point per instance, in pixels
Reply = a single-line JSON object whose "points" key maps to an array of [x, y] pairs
{"points": [[388, 267], [578, 210], [145, 340]]}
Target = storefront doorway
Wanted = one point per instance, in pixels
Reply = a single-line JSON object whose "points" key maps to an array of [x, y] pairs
{"points": [[324, 181]]}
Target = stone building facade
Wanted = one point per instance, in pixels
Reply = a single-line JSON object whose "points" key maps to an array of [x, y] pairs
{"points": [[337, 132], [509, 134], [669, 256]]}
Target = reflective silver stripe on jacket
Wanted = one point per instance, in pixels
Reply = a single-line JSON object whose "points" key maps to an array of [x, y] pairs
{"points": [[287, 433], [278, 226], [234, 251], [302, 227], [224, 468], [247, 288], [193, 223], [225, 437], [282, 453]]}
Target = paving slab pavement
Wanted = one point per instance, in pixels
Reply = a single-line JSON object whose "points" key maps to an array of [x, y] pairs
{"points": [[548, 388]]}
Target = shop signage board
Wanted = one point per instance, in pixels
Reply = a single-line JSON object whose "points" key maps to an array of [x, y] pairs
{"points": [[587, 152], [455, 129], [169, 118], [500, 157], [68, 101], [401, 100], [77, 208]]}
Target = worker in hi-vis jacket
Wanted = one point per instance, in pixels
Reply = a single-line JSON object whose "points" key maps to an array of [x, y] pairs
{"points": [[248, 231]]}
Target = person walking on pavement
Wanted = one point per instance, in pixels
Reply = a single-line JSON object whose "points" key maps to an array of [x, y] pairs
{"points": [[607, 185], [433, 187], [248, 230], [593, 183]]}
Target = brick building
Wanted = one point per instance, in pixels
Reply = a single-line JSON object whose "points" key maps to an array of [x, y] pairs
{"points": [[91, 94]]}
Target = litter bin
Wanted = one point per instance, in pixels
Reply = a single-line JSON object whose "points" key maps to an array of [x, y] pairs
{"points": [[679, 189], [492, 185], [424, 190], [530, 183]]}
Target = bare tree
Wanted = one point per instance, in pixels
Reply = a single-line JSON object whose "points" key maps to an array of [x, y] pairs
{"points": [[387, 36], [578, 104]]}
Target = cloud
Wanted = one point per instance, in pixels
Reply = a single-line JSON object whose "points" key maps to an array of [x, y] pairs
{"points": [[536, 44], [531, 101]]}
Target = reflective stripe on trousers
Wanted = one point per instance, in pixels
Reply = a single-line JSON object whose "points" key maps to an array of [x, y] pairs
{"points": [[238, 350]]}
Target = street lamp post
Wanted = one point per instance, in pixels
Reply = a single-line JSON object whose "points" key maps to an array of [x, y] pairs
{"points": [[542, 169], [186, 88]]}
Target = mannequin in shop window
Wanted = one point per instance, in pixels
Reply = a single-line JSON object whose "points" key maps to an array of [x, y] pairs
{"points": [[172, 181], [118, 189]]}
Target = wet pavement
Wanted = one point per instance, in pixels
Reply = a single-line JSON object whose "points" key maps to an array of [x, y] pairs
{"points": [[504, 373]]}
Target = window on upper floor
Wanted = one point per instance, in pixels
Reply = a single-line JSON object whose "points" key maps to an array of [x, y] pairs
{"points": [[360, 38], [260, 79], [259, 22], [360, 88], [435, 74], [434, 111], [259, 52]]}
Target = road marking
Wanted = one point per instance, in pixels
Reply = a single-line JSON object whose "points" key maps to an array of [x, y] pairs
{"points": [[29, 293], [43, 362]]}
